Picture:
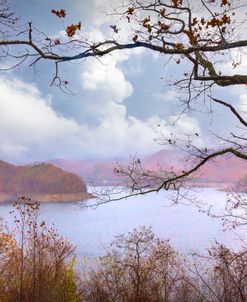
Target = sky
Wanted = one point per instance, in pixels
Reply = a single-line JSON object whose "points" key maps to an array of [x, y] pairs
{"points": [[117, 104]]}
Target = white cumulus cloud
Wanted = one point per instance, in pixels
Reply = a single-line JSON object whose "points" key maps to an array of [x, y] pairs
{"points": [[28, 122], [30, 128], [107, 78]]}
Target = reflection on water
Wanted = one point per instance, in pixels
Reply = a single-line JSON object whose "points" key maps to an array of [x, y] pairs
{"points": [[91, 230]]}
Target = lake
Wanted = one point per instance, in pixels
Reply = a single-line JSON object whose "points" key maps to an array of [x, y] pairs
{"points": [[91, 230]]}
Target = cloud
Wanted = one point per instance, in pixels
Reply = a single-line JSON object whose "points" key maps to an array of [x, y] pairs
{"points": [[99, 11], [170, 95], [28, 123], [120, 135], [107, 74], [30, 129], [185, 124], [107, 78], [181, 128], [242, 104]]}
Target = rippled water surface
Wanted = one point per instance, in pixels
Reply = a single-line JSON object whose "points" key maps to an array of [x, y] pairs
{"points": [[91, 230]]}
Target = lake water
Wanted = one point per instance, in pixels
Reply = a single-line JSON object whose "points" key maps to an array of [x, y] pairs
{"points": [[91, 230]]}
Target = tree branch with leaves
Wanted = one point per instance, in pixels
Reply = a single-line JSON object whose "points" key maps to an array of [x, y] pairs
{"points": [[198, 33]]}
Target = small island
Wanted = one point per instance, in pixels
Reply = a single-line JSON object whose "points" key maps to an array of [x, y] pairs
{"points": [[40, 182]]}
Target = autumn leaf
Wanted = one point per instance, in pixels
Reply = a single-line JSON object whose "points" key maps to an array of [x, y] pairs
{"points": [[145, 21], [130, 11], [149, 28], [179, 46], [203, 21], [71, 29], [224, 2], [163, 26], [162, 12], [226, 19], [177, 3], [192, 37], [59, 13], [194, 21], [213, 22]]}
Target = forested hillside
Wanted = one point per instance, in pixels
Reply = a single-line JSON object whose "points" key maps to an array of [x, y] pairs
{"points": [[38, 179]]}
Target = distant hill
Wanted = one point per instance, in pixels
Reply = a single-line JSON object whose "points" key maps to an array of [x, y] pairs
{"points": [[220, 172], [96, 172], [101, 172], [225, 169], [61, 179], [40, 180]]}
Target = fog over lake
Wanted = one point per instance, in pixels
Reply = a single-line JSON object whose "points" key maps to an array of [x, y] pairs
{"points": [[91, 230]]}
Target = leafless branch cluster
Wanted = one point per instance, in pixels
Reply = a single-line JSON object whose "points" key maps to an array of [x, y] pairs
{"points": [[140, 267]]}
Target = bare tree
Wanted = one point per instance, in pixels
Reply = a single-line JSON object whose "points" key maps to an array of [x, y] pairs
{"points": [[140, 267], [221, 275], [36, 264]]}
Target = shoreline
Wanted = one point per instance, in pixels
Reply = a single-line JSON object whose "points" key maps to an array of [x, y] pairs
{"points": [[46, 198]]}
